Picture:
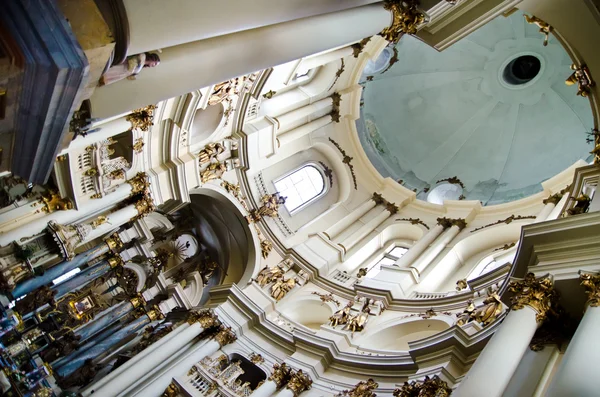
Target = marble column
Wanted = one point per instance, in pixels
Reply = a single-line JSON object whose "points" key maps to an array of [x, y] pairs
{"points": [[303, 130], [187, 67], [192, 21], [420, 246], [159, 356], [64, 267], [501, 356], [107, 318], [158, 384], [577, 373], [81, 279], [103, 346], [299, 382], [344, 223], [453, 226], [279, 377]]}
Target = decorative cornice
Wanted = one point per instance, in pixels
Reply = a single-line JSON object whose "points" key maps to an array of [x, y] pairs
{"points": [[414, 221], [537, 293], [508, 220], [346, 160], [406, 19]]}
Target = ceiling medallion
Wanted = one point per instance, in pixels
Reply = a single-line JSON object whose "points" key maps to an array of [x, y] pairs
{"points": [[406, 19]]}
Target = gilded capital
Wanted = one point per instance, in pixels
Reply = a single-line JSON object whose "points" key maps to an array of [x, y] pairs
{"points": [[154, 314], [142, 118], [299, 382], [114, 261], [281, 374], [206, 318], [392, 208], [554, 199], [406, 18], [139, 183], [433, 386], [114, 242], [52, 201], [537, 293], [171, 391], [459, 223], [144, 206], [591, 283], [225, 336], [137, 301], [378, 198], [444, 222]]}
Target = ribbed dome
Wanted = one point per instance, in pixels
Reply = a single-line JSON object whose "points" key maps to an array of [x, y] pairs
{"points": [[492, 110]]}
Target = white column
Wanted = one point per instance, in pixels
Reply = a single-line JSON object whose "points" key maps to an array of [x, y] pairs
{"points": [[114, 220], [577, 374], [438, 246], [367, 228], [549, 205], [556, 212], [290, 120], [192, 20], [68, 216], [303, 130], [349, 219], [324, 58], [191, 66], [105, 131], [420, 246], [285, 392], [267, 389], [498, 361], [143, 355]]}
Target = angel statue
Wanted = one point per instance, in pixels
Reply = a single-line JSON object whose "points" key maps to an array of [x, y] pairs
{"points": [[270, 207], [269, 274], [281, 287], [213, 171], [131, 68], [341, 316]]}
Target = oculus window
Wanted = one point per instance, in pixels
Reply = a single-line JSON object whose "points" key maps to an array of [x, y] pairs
{"points": [[301, 187]]}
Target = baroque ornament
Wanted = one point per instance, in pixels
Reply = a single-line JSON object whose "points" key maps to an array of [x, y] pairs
{"points": [[206, 318], [52, 201], [508, 220], [413, 221], [545, 28], [139, 183], [281, 374], [591, 283], [327, 298], [362, 389], [429, 387], [538, 294], [406, 19], [225, 336], [346, 160], [299, 382], [142, 118], [581, 77]]}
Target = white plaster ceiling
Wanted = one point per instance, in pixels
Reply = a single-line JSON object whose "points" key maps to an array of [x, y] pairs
{"points": [[435, 115]]}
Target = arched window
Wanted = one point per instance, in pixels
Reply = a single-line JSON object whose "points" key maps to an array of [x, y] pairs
{"points": [[301, 187]]}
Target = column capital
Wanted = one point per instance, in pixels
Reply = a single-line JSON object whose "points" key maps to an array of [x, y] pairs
{"points": [[362, 389], [378, 198], [406, 18], [114, 242], [114, 261], [139, 183], [299, 382], [448, 223], [433, 386], [225, 336], [144, 206], [392, 208], [591, 283], [554, 199], [142, 118], [171, 391], [537, 293], [206, 318], [281, 374]]}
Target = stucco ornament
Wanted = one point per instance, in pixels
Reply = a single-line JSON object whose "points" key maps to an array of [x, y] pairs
{"points": [[429, 387], [406, 19], [362, 389], [537, 293], [591, 283]]}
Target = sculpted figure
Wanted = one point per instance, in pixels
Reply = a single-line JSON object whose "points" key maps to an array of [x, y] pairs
{"points": [[467, 315], [545, 28], [341, 316], [210, 152], [269, 274], [357, 323], [581, 205], [492, 307], [281, 287], [213, 171], [128, 70], [270, 207]]}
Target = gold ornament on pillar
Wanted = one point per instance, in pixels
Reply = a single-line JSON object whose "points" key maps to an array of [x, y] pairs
{"points": [[434, 387], [171, 391], [581, 77], [139, 183], [142, 118], [591, 283], [52, 201], [444, 222], [299, 382], [114, 242], [406, 19], [225, 336], [281, 374], [213, 171], [362, 389], [144, 206], [270, 207], [461, 284], [539, 294], [206, 318], [392, 208]]}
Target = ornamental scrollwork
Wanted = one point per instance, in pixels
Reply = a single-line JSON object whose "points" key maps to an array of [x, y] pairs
{"points": [[406, 19], [434, 387], [539, 294], [299, 382], [362, 389], [591, 283], [142, 118]]}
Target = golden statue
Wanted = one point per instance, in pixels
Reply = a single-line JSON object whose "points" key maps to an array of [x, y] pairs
{"points": [[361, 389], [281, 287], [467, 315], [581, 77], [269, 274], [357, 323], [491, 308], [581, 205], [213, 171], [270, 207], [210, 152], [341, 316], [545, 28]]}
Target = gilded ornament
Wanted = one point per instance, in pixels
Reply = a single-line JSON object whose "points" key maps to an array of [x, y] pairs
{"points": [[582, 203], [206, 318], [138, 145], [538, 294], [461, 284], [116, 174], [299, 382], [378, 198], [467, 315], [62, 157], [225, 336], [281, 287], [327, 298], [545, 28], [269, 274], [142, 118], [101, 220], [414, 221], [581, 77], [392, 208], [114, 261], [139, 183], [171, 391], [554, 199], [489, 310], [591, 283], [269, 94], [52, 201], [144, 206], [154, 314], [266, 247], [213, 171], [256, 358], [281, 374], [346, 160], [114, 242], [406, 19], [91, 172], [357, 48], [361, 272], [137, 301], [210, 152], [270, 207], [96, 196], [342, 316], [444, 222], [362, 389], [429, 387]]}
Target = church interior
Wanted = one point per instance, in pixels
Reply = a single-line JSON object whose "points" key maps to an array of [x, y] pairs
{"points": [[315, 198]]}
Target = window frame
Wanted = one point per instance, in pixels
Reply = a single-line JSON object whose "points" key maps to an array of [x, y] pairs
{"points": [[386, 255], [323, 192]]}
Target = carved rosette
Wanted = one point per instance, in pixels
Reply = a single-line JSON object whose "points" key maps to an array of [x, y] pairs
{"points": [[406, 18], [225, 336], [299, 382], [281, 374], [539, 294], [591, 283], [206, 318], [139, 183]]}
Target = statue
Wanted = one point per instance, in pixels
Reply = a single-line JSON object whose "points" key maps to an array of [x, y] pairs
{"points": [[341, 316], [467, 315], [581, 205], [269, 274], [270, 207], [491, 308], [131, 68], [582, 77], [281, 287], [210, 152], [357, 323], [362, 389], [213, 171], [209, 270], [545, 28]]}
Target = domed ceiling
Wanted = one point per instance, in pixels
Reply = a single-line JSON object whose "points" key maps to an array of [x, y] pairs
{"points": [[492, 110]]}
